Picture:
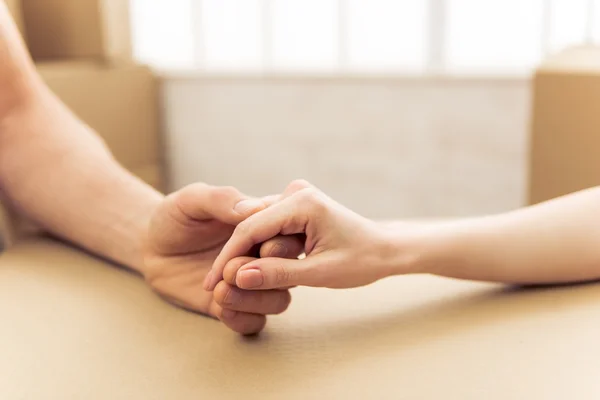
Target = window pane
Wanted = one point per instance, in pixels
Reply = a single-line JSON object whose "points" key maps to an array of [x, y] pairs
{"points": [[493, 35], [386, 34], [162, 33], [304, 34], [567, 23], [596, 27], [232, 34]]}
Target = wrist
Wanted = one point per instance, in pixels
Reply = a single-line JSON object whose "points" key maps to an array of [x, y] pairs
{"points": [[402, 250], [424, 247]]}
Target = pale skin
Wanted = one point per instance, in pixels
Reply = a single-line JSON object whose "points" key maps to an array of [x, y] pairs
{"points": [[59, 173], [553, 242]]}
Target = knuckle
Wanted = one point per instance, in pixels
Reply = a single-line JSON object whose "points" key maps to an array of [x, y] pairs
{"points": [[190, 190], [274, 248], [236, 263], [299, 184], [232, 267], [223, 193], [222, 293], [282, 276], [178, 203], [311, 199], [243, 229]]}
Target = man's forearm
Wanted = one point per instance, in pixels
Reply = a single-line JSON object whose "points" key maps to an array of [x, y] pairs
{"points": [[57, 171], [557, 241], [60, 174]]}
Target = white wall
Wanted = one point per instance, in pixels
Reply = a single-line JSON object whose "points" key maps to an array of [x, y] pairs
{"points": [[384, 147]]}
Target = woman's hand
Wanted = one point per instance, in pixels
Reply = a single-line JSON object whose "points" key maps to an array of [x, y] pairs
{"points": [[343, 249]]}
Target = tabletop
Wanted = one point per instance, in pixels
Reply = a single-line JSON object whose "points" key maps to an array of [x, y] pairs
{"points": [[76, 327]]}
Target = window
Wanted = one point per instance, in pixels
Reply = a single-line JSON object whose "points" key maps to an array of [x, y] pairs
{"points": [[359, 36], [484, 35]]}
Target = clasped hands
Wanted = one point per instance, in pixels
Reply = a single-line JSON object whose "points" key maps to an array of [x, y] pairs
{"points": [[215, 251]]}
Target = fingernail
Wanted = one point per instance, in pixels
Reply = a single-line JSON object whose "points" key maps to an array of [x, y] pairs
{"points": [[246, 206], [228, 314], [208, 280], [251, 278]]}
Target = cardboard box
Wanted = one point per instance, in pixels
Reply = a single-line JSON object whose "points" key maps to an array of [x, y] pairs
{"points": [[14, 7], [75, 29], [565, 129]]}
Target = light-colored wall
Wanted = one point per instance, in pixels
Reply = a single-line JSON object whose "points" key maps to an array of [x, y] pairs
{"points": [[384, 147]]}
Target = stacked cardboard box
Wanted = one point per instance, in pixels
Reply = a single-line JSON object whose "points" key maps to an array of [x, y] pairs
{"points": [[565, 129], [82, 49], [14, 7], [74, 29]]}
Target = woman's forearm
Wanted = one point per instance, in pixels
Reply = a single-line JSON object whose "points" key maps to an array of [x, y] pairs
{"points": [[552, 242]]}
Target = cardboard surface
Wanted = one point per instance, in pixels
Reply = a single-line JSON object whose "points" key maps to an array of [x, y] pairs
{"points": [[14, 6], [77, 328], [71, 29], [565, 129]]}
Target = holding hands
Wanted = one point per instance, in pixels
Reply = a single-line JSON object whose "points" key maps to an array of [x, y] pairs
{"points": [[253, 246], [245, 252], [342, 248], [186, 233]]}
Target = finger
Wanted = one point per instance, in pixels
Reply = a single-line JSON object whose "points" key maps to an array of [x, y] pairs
{"points": [[292, 188], [296, 186], [290, 216], [257, 302], [232, 267], [283, 247], [200, 202], [174, 227], [275, 273], [270, 200], [241, 322]]}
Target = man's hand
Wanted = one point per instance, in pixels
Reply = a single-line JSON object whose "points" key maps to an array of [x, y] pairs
{"points": [[186, 234]]}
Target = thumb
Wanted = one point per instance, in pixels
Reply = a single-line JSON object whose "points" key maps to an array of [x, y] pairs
{"points": [[179, 224], [277, 273]]}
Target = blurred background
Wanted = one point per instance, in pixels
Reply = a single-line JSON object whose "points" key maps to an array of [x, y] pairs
{"points": [[396, 108]]}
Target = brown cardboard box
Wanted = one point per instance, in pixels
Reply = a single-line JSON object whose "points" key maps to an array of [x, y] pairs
{"points": [[565, 131], [70, 29], [14, 6]]}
